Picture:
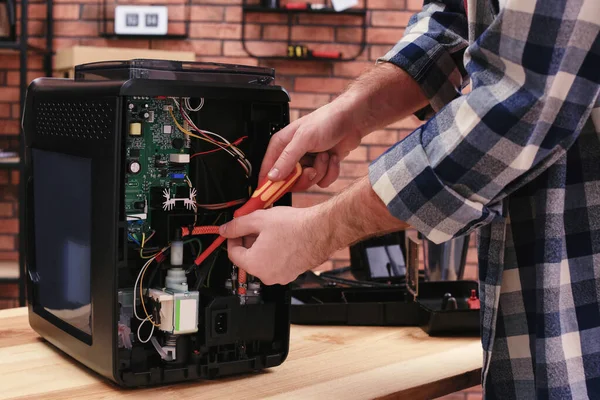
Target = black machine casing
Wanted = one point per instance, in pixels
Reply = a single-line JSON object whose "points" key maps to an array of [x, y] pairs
{"points": [[86, 119]]}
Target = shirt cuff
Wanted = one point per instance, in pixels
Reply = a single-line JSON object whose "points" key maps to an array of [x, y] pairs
{"points": [[405, 181], [431, 66]]}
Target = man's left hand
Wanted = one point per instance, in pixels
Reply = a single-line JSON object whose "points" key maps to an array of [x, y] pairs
{"points": [[278, 244]]}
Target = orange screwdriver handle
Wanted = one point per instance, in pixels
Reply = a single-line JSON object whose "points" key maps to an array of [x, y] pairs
{"points": [[268, 192]]}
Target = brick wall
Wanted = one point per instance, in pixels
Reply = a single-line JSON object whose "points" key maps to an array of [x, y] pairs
{"points": [[215, 33]]}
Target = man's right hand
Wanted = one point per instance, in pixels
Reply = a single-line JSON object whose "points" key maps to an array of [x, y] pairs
{"points": [[319, 141]]}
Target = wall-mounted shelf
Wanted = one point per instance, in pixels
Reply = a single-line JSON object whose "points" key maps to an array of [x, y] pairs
{"points": [[291, 14], [259, 9], [143, 37]]}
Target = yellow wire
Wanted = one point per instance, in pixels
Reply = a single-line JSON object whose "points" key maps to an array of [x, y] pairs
{"points": [[185, 131], [142, 292], [142, 247], [213, 142]]}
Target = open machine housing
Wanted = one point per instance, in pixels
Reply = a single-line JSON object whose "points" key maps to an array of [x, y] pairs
{"points": [[128, 169]]}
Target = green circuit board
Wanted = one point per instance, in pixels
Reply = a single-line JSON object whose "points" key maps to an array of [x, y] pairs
{"points": [[148, 150]]}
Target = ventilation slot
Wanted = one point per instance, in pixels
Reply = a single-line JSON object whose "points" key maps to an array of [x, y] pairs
{"points": [[82, 119]]}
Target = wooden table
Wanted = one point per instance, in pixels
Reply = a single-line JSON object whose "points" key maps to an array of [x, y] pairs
{"points": [[324, 363]]}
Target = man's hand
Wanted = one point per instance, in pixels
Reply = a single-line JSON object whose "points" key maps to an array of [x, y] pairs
{"points": [[320, 140], [280, 243]]}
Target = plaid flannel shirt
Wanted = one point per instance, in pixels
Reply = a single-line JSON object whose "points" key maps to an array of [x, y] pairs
{"points": [[518, 159]]}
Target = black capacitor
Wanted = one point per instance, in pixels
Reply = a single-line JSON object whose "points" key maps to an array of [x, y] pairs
{"points": [[134, 153], [145, 115], [138, 205], [177, 143]]}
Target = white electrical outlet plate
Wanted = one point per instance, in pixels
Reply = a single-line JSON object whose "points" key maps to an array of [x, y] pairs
{"points": [[141, 20]]}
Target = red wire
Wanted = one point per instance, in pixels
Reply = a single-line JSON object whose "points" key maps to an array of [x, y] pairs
{"points": [[238, 141]]}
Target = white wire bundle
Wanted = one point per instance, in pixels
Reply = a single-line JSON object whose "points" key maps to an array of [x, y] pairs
{"points": [[231, 149], [186, 103]]}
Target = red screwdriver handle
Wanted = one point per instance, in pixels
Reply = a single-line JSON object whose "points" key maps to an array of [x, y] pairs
{"points": [[268, 192]]}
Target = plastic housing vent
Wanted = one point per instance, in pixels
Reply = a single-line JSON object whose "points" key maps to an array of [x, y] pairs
{"points": [[76, 119]]}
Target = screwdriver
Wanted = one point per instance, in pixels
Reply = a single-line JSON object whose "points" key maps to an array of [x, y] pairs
{"points": [[263, 197]]}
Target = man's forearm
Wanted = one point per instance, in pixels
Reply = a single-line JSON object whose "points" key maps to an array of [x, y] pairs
{"points": [[381, 96], [355, 214]]}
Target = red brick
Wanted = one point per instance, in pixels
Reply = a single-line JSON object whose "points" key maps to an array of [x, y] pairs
{"points": [[74, 1], [321, 85], [387, 4], [5, 110], [275, 32], [309, 33], [9, 225], [302, 200], [14, 177], [6, 209], [200, 47], [351, 69], [35, 11], [471, 272], [309, 19], [384, 35], [348, 35], [353, 170], [266, 18], [294, 115], [403, 134], [178, 12], [130, 43], [376, 151], [176, 28], [7, 242], [9, 256], [257, 48], [311, 101], [336, 187], [358, 154], [300, 67], [230, 60], [233, 14], [207, 13], [9, 126], [326, 266], [410, 123], [343, 254], [16, 111], [390, 18], [76, 28], [216, 31], [64, 11], [387, 137], [34, 28], [95, 11], [415, 5], [217, 1], [14, 76], [3, 181]]}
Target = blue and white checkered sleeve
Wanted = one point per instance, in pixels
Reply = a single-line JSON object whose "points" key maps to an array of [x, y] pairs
{"points": [[431, 52], [535, 80]]}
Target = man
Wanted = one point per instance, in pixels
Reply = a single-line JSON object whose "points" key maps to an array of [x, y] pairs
{"points": [[517, 158]]}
